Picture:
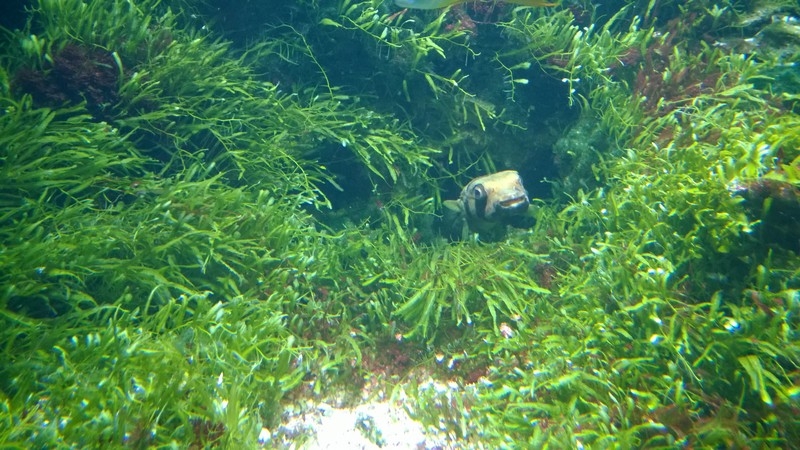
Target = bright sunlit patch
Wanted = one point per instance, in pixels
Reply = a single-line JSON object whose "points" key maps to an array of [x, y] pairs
{"points": [[793, 392], [506, 331], [732, 325], [264, 436]]}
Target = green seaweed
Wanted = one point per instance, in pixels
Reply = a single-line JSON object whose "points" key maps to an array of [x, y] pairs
{"points": [[199, 235]]}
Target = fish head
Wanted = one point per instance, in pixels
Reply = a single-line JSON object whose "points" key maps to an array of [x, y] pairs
{"points": [[495, 197], [488, 205]]}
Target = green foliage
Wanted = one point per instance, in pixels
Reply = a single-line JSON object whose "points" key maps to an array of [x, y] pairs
{"points": [[452, 405], [153, 237], [656, 243], [194, 372], [468, 285], [412, 50], [46, 151], [169, 277], [138, 33], [195, 103], [580, 57]]}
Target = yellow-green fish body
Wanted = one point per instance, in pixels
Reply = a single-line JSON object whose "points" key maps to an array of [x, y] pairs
{"points": [[489, 204]]}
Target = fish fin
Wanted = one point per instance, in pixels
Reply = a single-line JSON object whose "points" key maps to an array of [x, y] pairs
{"points": [[453, 205], [453, 223]]}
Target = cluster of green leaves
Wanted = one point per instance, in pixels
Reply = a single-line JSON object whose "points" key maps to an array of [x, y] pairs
{"points": [[424, 62], [183, 105], [133, 269], [162, 281], [412, 49], [195, 372], [168, 248], [432, 290], [582, 57], [84, 221], [673, 323], [451, 402]]}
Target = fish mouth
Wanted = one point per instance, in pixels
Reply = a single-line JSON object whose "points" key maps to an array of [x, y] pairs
{"points": [[514, 203]]}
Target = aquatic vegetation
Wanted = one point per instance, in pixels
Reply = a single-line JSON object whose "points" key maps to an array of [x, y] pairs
{"points": [[186, 250], [435, 4]]}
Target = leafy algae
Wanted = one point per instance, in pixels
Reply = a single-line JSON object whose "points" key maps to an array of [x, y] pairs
{"points": [[206, 223]]}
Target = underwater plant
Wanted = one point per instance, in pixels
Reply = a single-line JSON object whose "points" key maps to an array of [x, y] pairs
{"points": [[205, 226]]}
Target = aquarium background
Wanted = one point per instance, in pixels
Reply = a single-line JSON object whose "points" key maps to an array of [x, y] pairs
{"points": [[217, 216]]}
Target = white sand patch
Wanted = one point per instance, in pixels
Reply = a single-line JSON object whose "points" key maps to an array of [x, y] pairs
{"points": [[373, 425]]}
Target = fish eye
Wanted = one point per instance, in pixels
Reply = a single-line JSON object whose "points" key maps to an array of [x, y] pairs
{"points": [[479, 192]]}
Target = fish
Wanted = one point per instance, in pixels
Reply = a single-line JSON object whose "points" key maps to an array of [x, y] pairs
{"points": [[488, 205], [436, 4]]}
